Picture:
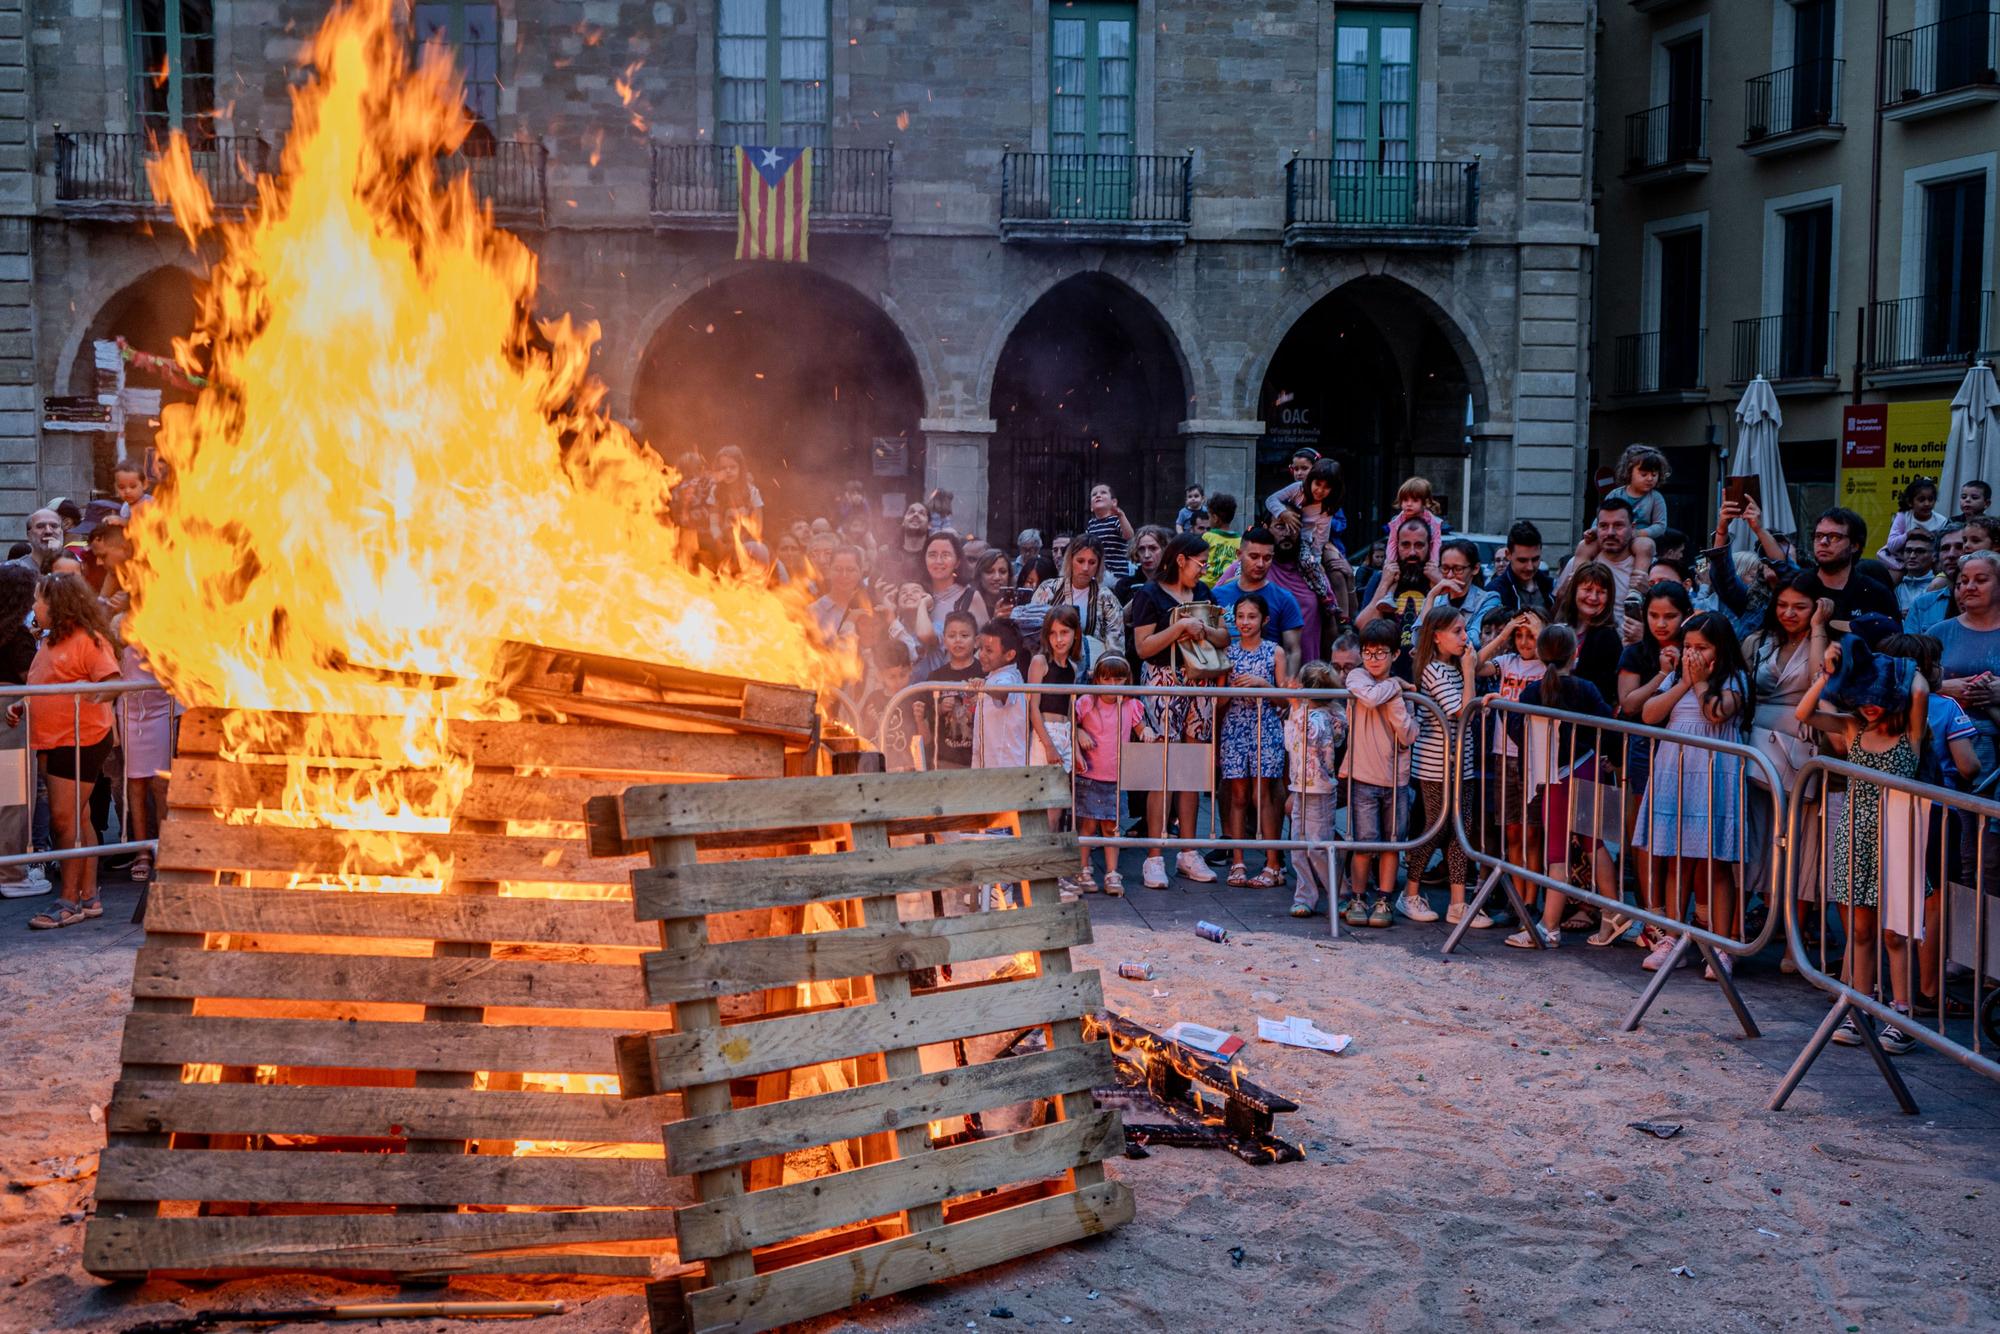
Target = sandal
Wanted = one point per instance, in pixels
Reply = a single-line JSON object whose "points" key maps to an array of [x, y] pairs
{"points": [[142, 868], [1268, 878], [92, 907], [1239, 876], [63, 914], [1954, 1007]]}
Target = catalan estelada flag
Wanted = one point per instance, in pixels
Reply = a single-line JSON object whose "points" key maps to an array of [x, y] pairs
{"points": [[773, 201]]}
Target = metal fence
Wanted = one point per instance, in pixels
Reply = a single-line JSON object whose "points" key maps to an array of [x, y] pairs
{"points": [[1669, 135], [1096, 187], [1796, 346], [509, 174], [102, 168], [1652, 363], [1910, 870], [1381, 196], [1946, 328], [136, 702], [700, 180], [1806, 96], [1958, 52]]}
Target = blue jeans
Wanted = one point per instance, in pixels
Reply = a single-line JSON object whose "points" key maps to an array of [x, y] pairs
{"points": [[1377, 814]]}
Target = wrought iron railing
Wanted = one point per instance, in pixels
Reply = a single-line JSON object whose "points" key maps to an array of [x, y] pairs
{"points": [[699, 179], [98, 167], [1796, 346], [1936, 329], [1942, 57], [1096, 187], [509, 174], [1669, 135], [1381, 196], [1660, 362], [1803, 97]]}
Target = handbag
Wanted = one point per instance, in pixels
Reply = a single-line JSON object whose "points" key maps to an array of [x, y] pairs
{"points": [[1199, 660]]}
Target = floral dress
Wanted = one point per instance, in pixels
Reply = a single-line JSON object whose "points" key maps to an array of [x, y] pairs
{"points": [[1253, 731], [1857, 878]]}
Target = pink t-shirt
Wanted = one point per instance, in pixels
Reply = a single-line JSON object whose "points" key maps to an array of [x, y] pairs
{"points": [[1108, 721]]}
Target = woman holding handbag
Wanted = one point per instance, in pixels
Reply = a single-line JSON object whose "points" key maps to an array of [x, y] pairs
{"points": [[1168, 641]]}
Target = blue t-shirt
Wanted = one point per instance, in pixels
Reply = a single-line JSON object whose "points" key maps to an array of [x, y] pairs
{"points": [[1285, 612], [1968, 653], [1945, 721]]}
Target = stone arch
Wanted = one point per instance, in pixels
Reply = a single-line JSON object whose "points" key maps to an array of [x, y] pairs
{"points": [[150, 305], [112, 279], [1174, 318]]}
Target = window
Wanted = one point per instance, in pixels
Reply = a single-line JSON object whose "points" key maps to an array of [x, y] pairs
{"points": [[1374, 113], [1964, 43], [1954, 256], [771, 73], [172, 59], [1686, 130], [473, 33], [1680, 306], [1815, 71], [1091, 122], [1805, 323]]}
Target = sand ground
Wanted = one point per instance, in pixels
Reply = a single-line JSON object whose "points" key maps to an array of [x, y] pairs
{"points": [[1468, 1163]]}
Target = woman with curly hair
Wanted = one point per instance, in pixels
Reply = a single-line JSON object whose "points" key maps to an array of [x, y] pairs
{"points": [[70, 739]]}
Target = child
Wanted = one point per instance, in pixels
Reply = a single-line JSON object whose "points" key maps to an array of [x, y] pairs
{"points": [[878, 720], [1060, 663], [1313, 734], [1193, 504], [1377, 769], [1643, 669], [1252, 741], [1000, 723], [1103, 722], [1690, 818], [1445, 667], [1223, 541], [1916, 509], [1973, 498], [1565, 753], [128, 479], [1413, 501], [1877, 724], [1641, 470], [1511, 658], [950, 739]]}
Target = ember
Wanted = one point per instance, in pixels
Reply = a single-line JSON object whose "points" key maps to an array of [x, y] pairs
{"points": [[1208, 1103]]}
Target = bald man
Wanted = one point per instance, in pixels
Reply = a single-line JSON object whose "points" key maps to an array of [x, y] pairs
{"points": [[45, 541]]}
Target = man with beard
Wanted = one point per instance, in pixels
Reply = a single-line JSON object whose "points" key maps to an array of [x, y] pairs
{"points": [[1838, 539], [1402, 588], [1613, 541], [45, 541], [905, 560], [1289, 574]]}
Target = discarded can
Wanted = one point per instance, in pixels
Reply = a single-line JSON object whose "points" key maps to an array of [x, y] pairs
{"points": [[1210, 931], [1138, 972]]}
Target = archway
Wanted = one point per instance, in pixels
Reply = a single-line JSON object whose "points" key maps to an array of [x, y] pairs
{"points": [[809, 378], [1088, 388], [1371, 377], [149, 314]]}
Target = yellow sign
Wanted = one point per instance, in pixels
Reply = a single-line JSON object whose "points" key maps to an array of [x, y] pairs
{"points": [[1883, 448]]}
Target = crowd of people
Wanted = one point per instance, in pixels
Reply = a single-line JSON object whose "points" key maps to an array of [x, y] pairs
{"points": [[72, 765], [1792, 644]]}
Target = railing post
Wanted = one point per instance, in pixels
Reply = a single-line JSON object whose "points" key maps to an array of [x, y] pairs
{"points": [[1472, 191]]}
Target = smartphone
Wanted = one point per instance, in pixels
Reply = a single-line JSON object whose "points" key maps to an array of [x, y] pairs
{"points": [[1750, 485]]}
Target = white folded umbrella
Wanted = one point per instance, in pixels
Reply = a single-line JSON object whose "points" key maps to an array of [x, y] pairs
{"points": [[1757, 423], [1972, 448]]}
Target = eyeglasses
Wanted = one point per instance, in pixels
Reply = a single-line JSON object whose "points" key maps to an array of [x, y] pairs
{"points": [[1456, 568], [1377, 653], [1838, 535]]}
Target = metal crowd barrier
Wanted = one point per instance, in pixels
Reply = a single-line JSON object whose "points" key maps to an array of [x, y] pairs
{"points": [[1186, 842], [76, 692], [1935, 857], [1580, 776]]}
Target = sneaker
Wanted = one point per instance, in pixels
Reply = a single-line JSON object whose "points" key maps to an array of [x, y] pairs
{"points": [[1728, 962], [1357, 912], [32, 887], [1154, 873], [1662, 950], [1191, 867], [1849, 1032], [1456, 914], [1114, 884], [1521, 940], [1380, 914], [1413, 907], [1894, 1040]]}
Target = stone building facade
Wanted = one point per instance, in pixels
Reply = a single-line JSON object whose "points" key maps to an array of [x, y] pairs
{"points": [[1210, 254]]}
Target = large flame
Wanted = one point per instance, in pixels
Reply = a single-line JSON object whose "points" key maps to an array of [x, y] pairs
{"points": [[397, 467]]}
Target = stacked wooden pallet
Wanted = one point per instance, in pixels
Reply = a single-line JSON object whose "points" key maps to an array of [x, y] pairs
{"points": [[408, 1083], [863, 1078]]}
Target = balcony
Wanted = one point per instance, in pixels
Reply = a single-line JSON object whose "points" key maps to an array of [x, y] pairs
{"points": [[694, 189], [1931, 338], [1660, 367], [1658, 6], [1337, 204], [1667, 142], [103, 175], [1941, 67], [1790, 109], [1095, 199], [509, 174], [1795, 352]]}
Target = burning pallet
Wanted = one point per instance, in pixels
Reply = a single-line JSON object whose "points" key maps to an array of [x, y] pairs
{"points": [[400, 1083], [877, 1065], [1209, 1104]]}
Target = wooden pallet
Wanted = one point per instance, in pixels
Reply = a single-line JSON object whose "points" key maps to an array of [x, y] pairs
{"points": [[385, 1083], [903, 1212]]}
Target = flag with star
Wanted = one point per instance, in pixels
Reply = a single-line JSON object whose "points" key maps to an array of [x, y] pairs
{"points": [[773, 201]]}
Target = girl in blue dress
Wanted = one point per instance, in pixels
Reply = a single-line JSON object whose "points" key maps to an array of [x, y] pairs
{"points": [[1253, 741]]}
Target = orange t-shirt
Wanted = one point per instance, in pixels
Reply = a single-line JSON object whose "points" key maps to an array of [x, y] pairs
{"points": [[81, 656]]}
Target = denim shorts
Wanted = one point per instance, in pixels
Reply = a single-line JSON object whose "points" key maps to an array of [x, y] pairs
{"points": [[1377, 814]]}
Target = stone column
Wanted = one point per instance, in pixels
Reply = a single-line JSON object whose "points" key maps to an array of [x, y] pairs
{"points": [[20, 398], [955, 458], [1222, 460]]}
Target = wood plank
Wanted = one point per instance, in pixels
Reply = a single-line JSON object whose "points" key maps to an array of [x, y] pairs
{"points": [[207, 784], [692, 809], [642, 713], [739, 1050], [576, 747], [177, 907], [764, 1217], [163, 1039], [698, 1144], [377, 977], [663, 892], [840, 1281], [430, 1243], [190, 845], [153, 1107], [733, 967], [278, 1177]]}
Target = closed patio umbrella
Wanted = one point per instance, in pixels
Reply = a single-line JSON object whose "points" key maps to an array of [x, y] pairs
{"points": [[1972, 449], [1757, 423]]}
